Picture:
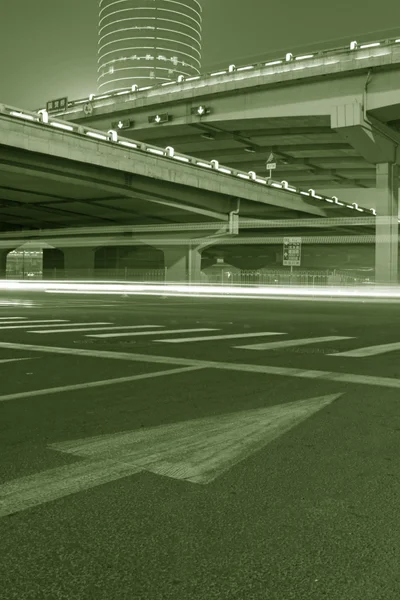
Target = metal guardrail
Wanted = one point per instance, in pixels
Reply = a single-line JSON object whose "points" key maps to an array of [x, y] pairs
{"points": [[277, 65], [42, 118]]}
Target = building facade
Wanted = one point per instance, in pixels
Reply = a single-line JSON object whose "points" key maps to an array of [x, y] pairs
{"points": [[147, 42]]}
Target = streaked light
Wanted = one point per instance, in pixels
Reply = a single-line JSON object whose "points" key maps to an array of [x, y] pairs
{"points": [[22, 115], [155, 151], [98, 136], [249, 68], [103, 97], [182, 158], [224, 170], [193, 78], [218, 73], [128, 144], [243, 176], [61, 126], [123, 93], [304, 57], [373, 45], [202, 164], [273, 62]]}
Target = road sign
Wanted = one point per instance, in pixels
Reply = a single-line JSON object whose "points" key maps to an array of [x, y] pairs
{"points": [[161, 118], [291, 251], [177, 450], [271, 166], [56, 105], [122, 124]]}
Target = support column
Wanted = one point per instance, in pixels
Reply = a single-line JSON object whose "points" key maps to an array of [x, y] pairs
{"points": [[3, 263], [182, 264], [387, 227], [79, 263]]}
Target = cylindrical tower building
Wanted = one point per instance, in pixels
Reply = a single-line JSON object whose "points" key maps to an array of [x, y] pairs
{"points": [[147, 42]]}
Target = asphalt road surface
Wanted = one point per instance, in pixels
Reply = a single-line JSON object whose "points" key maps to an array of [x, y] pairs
{"points": [[198, 449]]}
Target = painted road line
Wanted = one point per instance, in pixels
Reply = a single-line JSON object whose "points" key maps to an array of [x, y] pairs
{"points": [[28, 324], [11, 318], [94, 384], [387, 382], [7, 360], [230, 336], [196, 451], [292, 343], [369, 350], [112, 335], [97, 328]]}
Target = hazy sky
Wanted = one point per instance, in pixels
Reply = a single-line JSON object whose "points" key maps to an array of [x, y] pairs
{"points": [[48, 48]]}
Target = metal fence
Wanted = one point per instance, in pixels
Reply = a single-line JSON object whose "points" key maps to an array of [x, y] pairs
{"points": [[224, 277], [280, 277]]}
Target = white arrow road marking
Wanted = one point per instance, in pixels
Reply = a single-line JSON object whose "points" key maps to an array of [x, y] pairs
{"points": [[198, 451], [218, 337], [292, 343], [369, 350]]}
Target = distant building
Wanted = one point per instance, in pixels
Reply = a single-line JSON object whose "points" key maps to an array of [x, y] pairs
{"points": [[147, 42]]}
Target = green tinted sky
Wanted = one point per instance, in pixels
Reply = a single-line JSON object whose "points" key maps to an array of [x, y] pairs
{"points": [[48, 47]]}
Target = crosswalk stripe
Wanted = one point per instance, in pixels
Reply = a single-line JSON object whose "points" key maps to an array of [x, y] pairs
{"points": [[230, 336], [72, 324], [11, 318], [108, 335], [369, 350], [28, 324], [292, 343], [96, 328]]}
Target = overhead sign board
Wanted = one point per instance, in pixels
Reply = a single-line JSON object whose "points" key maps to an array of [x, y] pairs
{"points": [[161, 118], [271, 163], [291, 251], [56, 105], [122, 124]]}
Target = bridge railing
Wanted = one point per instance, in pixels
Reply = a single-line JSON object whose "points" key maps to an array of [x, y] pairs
{"points": [[44, 119]]}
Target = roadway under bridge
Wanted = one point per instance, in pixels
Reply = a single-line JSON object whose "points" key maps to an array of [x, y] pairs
{"points": [[56, 175]]}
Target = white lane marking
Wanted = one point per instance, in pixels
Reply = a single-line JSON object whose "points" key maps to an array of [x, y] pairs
{"points": [[7, 360], [73, 324], [34, 323], [196, 451], [93, 384], [97, 328], [11, 318], [388, 382], [109, 335], [290, 343], [230, 336], [369, 350]]}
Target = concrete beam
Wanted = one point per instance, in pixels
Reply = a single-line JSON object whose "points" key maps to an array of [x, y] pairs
{"points": [[69, 158], [373, 140]]}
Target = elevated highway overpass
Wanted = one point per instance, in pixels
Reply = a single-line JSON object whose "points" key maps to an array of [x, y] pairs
{"points": [[56, 174], [329, 117]]}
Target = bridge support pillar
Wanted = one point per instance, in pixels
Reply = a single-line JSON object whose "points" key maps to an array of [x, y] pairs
{"points": [[79, 263], [387, 226], [3, 263], [182, 264]]}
